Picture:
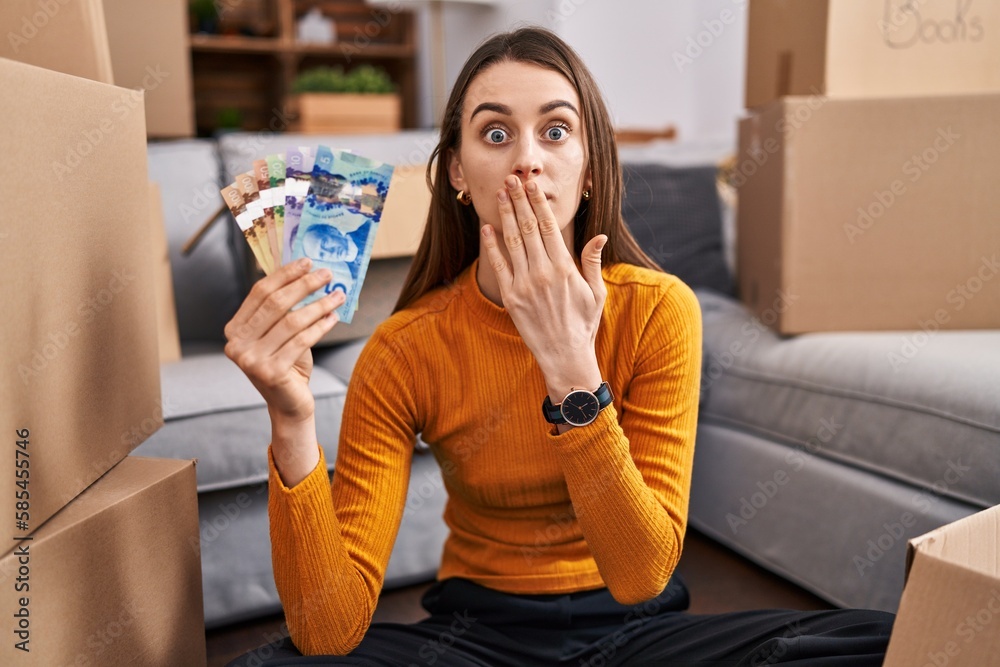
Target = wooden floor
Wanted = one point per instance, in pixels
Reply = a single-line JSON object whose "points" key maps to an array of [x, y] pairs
{"points": [[718, 579]]}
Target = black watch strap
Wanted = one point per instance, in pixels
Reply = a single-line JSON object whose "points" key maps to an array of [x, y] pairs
{"points": [[553, 413]]}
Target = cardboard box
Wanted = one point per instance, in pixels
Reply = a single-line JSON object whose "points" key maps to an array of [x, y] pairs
{"points": [[168, 334], [79, 373], [63, 35], [870, 214], [405, 213], [149, 51], [349, 113], [114, 578], [861, 48], [950, 610]]}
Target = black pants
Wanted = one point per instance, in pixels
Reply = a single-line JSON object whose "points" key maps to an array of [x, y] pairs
{"points": [[474, 625]]}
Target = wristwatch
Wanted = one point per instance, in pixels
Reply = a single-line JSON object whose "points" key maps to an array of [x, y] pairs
{"points": [[579, 407]]}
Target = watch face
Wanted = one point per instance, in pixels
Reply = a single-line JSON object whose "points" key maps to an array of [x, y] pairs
{"points": [[580, 407]]}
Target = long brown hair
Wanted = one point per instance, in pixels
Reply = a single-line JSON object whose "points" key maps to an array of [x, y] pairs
{"points": [[451, 237]]}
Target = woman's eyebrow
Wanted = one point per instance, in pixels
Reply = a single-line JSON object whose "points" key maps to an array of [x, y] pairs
{"points": [[492, 106], [506, 110], [556, 104]]}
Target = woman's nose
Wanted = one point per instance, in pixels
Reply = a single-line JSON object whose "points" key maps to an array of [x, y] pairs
{"points": [[527, 160]]}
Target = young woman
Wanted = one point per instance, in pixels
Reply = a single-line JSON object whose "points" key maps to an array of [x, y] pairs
{"points": [[554, 371]]}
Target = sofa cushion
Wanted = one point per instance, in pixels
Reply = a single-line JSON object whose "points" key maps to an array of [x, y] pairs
{"points": [[921, 408], [675, 215], [213, 413], [833, 529], [206, 282]]}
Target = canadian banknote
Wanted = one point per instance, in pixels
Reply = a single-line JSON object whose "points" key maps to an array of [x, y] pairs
{"points": [[339, 220], [298, 175]]}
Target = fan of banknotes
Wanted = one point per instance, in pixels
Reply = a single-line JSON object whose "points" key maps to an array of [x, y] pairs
{"points": [[313, 202]]}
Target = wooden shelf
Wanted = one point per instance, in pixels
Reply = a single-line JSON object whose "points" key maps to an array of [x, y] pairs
{"points": [[391, 51], [234, 44], [231, 44], [254, 75]]}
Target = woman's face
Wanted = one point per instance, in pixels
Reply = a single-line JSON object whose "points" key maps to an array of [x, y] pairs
{"points": [[524, 120]]}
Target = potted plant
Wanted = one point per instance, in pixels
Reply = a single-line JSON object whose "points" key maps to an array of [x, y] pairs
{"points": [[204, 16], [362, 101]]}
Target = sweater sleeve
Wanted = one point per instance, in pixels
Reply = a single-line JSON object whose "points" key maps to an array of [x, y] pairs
{"points": [[629, 471], [330, 542]]}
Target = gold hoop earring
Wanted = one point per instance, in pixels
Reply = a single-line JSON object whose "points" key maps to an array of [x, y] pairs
{"points": [[464, 197], [586, 195]]}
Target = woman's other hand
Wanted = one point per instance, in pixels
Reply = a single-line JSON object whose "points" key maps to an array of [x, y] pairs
{"points": [[555, 305]]}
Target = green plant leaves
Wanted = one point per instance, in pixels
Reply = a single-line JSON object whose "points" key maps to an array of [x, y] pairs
{"points": [[361, 79]]}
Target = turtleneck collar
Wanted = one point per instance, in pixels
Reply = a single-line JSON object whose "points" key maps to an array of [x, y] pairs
{"points": [[492, 315]]}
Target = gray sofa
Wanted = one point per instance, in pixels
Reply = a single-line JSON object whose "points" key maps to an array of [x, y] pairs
{"points": [[809, 448], [818, 457]]}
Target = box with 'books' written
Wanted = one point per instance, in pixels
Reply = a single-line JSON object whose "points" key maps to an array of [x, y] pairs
{"points": [[871, 48], [113, 579], [870, 214], [79, 367]]}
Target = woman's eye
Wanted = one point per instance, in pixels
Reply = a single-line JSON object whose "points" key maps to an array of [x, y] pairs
{"points": [[497, 136], [556, 133]]}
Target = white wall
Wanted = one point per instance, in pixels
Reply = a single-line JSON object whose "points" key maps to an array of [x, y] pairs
{"points": [[636, 50]]}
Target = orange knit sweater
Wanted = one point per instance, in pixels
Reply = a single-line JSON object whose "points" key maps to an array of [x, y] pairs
{"points": [[529, 511]]}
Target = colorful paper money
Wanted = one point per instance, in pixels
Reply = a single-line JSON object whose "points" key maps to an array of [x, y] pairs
{"points": [[339, 219], [251, 199], [263, 181], [298, 175], [318, 203], [237, 206], [276, 171]]}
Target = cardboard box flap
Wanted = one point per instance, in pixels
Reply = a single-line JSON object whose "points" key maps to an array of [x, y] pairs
{"points": [[946, 615], [128, 480], [972, 543], [786, 48]]}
